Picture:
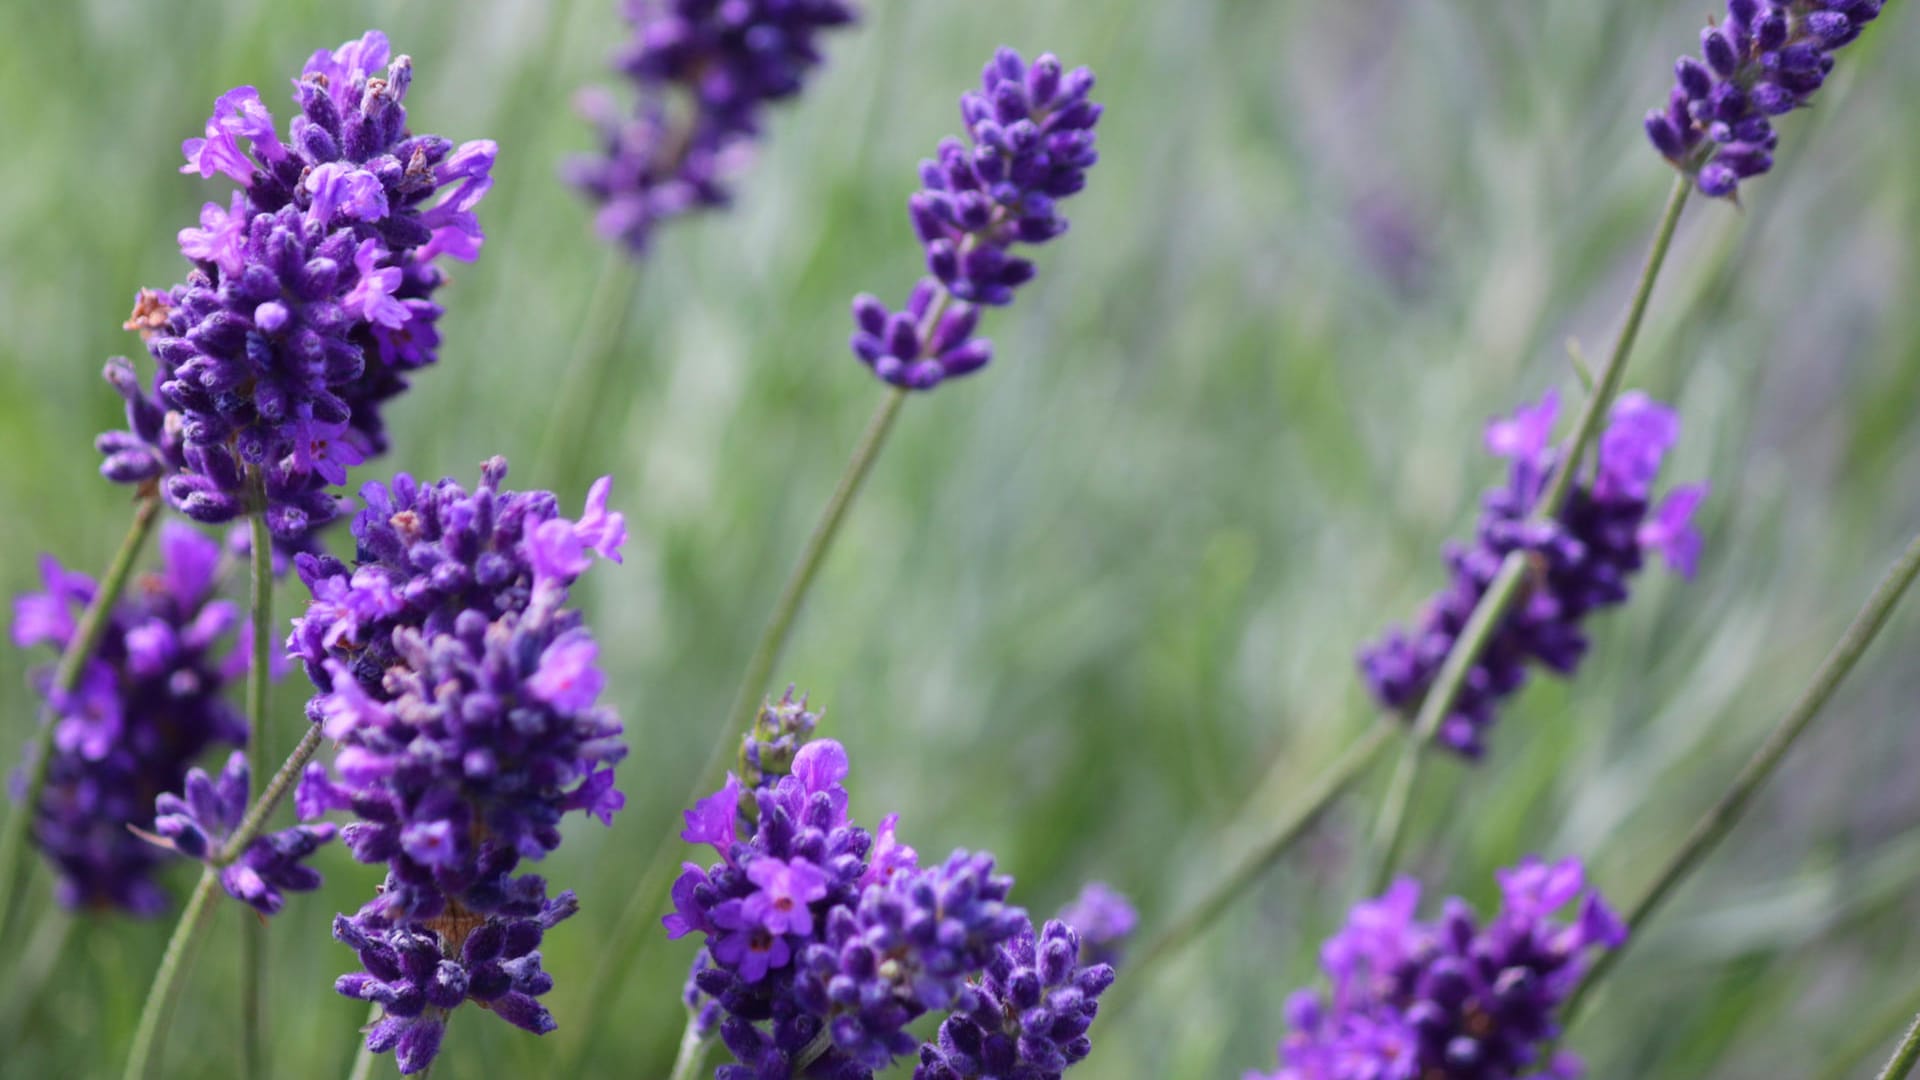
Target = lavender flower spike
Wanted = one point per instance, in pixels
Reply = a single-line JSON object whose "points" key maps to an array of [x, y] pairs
{"points": [[149, 702], [464, 696], [197, 823], [1767, 58], [1031, 142], [1583, 561], [1105, 919], [310, 296], [704, 72], [1454, 998], [814, 930]]}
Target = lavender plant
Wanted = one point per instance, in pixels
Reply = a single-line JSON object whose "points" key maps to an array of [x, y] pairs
{"points": [[822, 943], [463, 694], [704, 72]]}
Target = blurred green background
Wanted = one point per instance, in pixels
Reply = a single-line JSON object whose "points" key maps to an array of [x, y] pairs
{"points": [[1093, 596]]}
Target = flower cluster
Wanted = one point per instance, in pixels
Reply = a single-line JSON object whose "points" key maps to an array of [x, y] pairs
{"points": [[705, 70], [1767, 58], [1582, 561], [1450, 999], [148, 703], [310, 297], [1032, 141], [463, 694], [198, 822], [824, 942], [1105, 920]]}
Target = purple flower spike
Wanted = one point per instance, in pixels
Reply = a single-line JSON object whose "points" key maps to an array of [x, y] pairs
{"points": [[310, 297], [1454, 998], [810, 926], [464, 696], [199, 824], [1031, 142], [1766, 59], [1028, 1019], [714, 68], [1583, 562], [150, 701], [1104, 919]]}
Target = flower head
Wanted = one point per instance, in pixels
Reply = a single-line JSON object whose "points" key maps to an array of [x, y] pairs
{"points": [[197, 823], [1104, 918]]}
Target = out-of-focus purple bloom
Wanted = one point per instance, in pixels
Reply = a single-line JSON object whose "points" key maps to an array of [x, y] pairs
{"points": [[1765, 59], [812, 930], [1031, 143], [310, 297], [704, 72], [464, 696], [197, 823], [1583, 561], [1450, 999], [1104, 919], [149, 702], [1028, 1018]]}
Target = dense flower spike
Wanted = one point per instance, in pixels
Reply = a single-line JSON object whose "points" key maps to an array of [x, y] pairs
{"points": [[1582, 562], [1450, 999], [1032, 141], [823, 943], [149, 702], [1028, 1019], [704, 71], [310, 298], [463, 694], [1105, 919], [198, 822], [1767, 58]]}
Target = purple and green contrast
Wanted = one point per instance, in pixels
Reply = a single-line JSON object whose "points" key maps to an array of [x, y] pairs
{"points": [[463, 694], [1583, 561], [310, 300]]}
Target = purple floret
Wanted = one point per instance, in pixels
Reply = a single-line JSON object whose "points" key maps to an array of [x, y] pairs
{"points": [[1583, 561], [197, 823], [310, 297]]}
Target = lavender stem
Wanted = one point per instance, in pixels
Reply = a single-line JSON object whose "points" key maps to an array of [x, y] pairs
{"points": [[193, 920], [13, 842], [646, 901], [253, 933], [582, 381], [363, 1059], [1725, 812], [1892, 1019], [693, 1051], [1390, 834], [1905, 1055]]}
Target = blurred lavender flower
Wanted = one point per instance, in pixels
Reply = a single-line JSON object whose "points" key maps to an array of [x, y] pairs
{"points": [[1767, 58], [1032, 137], [197, 823], [148, 703], [816, 931], [310, 297], [1583, 561], [1451, 999], [1104, 919], [704, 71], [463, 694]]}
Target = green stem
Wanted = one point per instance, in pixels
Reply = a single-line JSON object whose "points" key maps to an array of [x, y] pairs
{"points": [[693, 1052], [160, 999], [1389, 836], [66, 675], [1327, 787], [363, 1058], [647, 899], [1725, 812], [582, 378], [1887, 1023], [253, 932], [1905, 1055], [193, 920]]}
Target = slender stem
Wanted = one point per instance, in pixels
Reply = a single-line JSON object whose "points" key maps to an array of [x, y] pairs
{"points": [[160, 999], [813, 1051], [1506, 587], [1905, 1055], [648, 898], [43, 949], [270, 797], [66, 675], [581, 378], [1725, 812], [693, 1051], [1327, 787], [363, 1058], [1885, 1024], [253, 932]]}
